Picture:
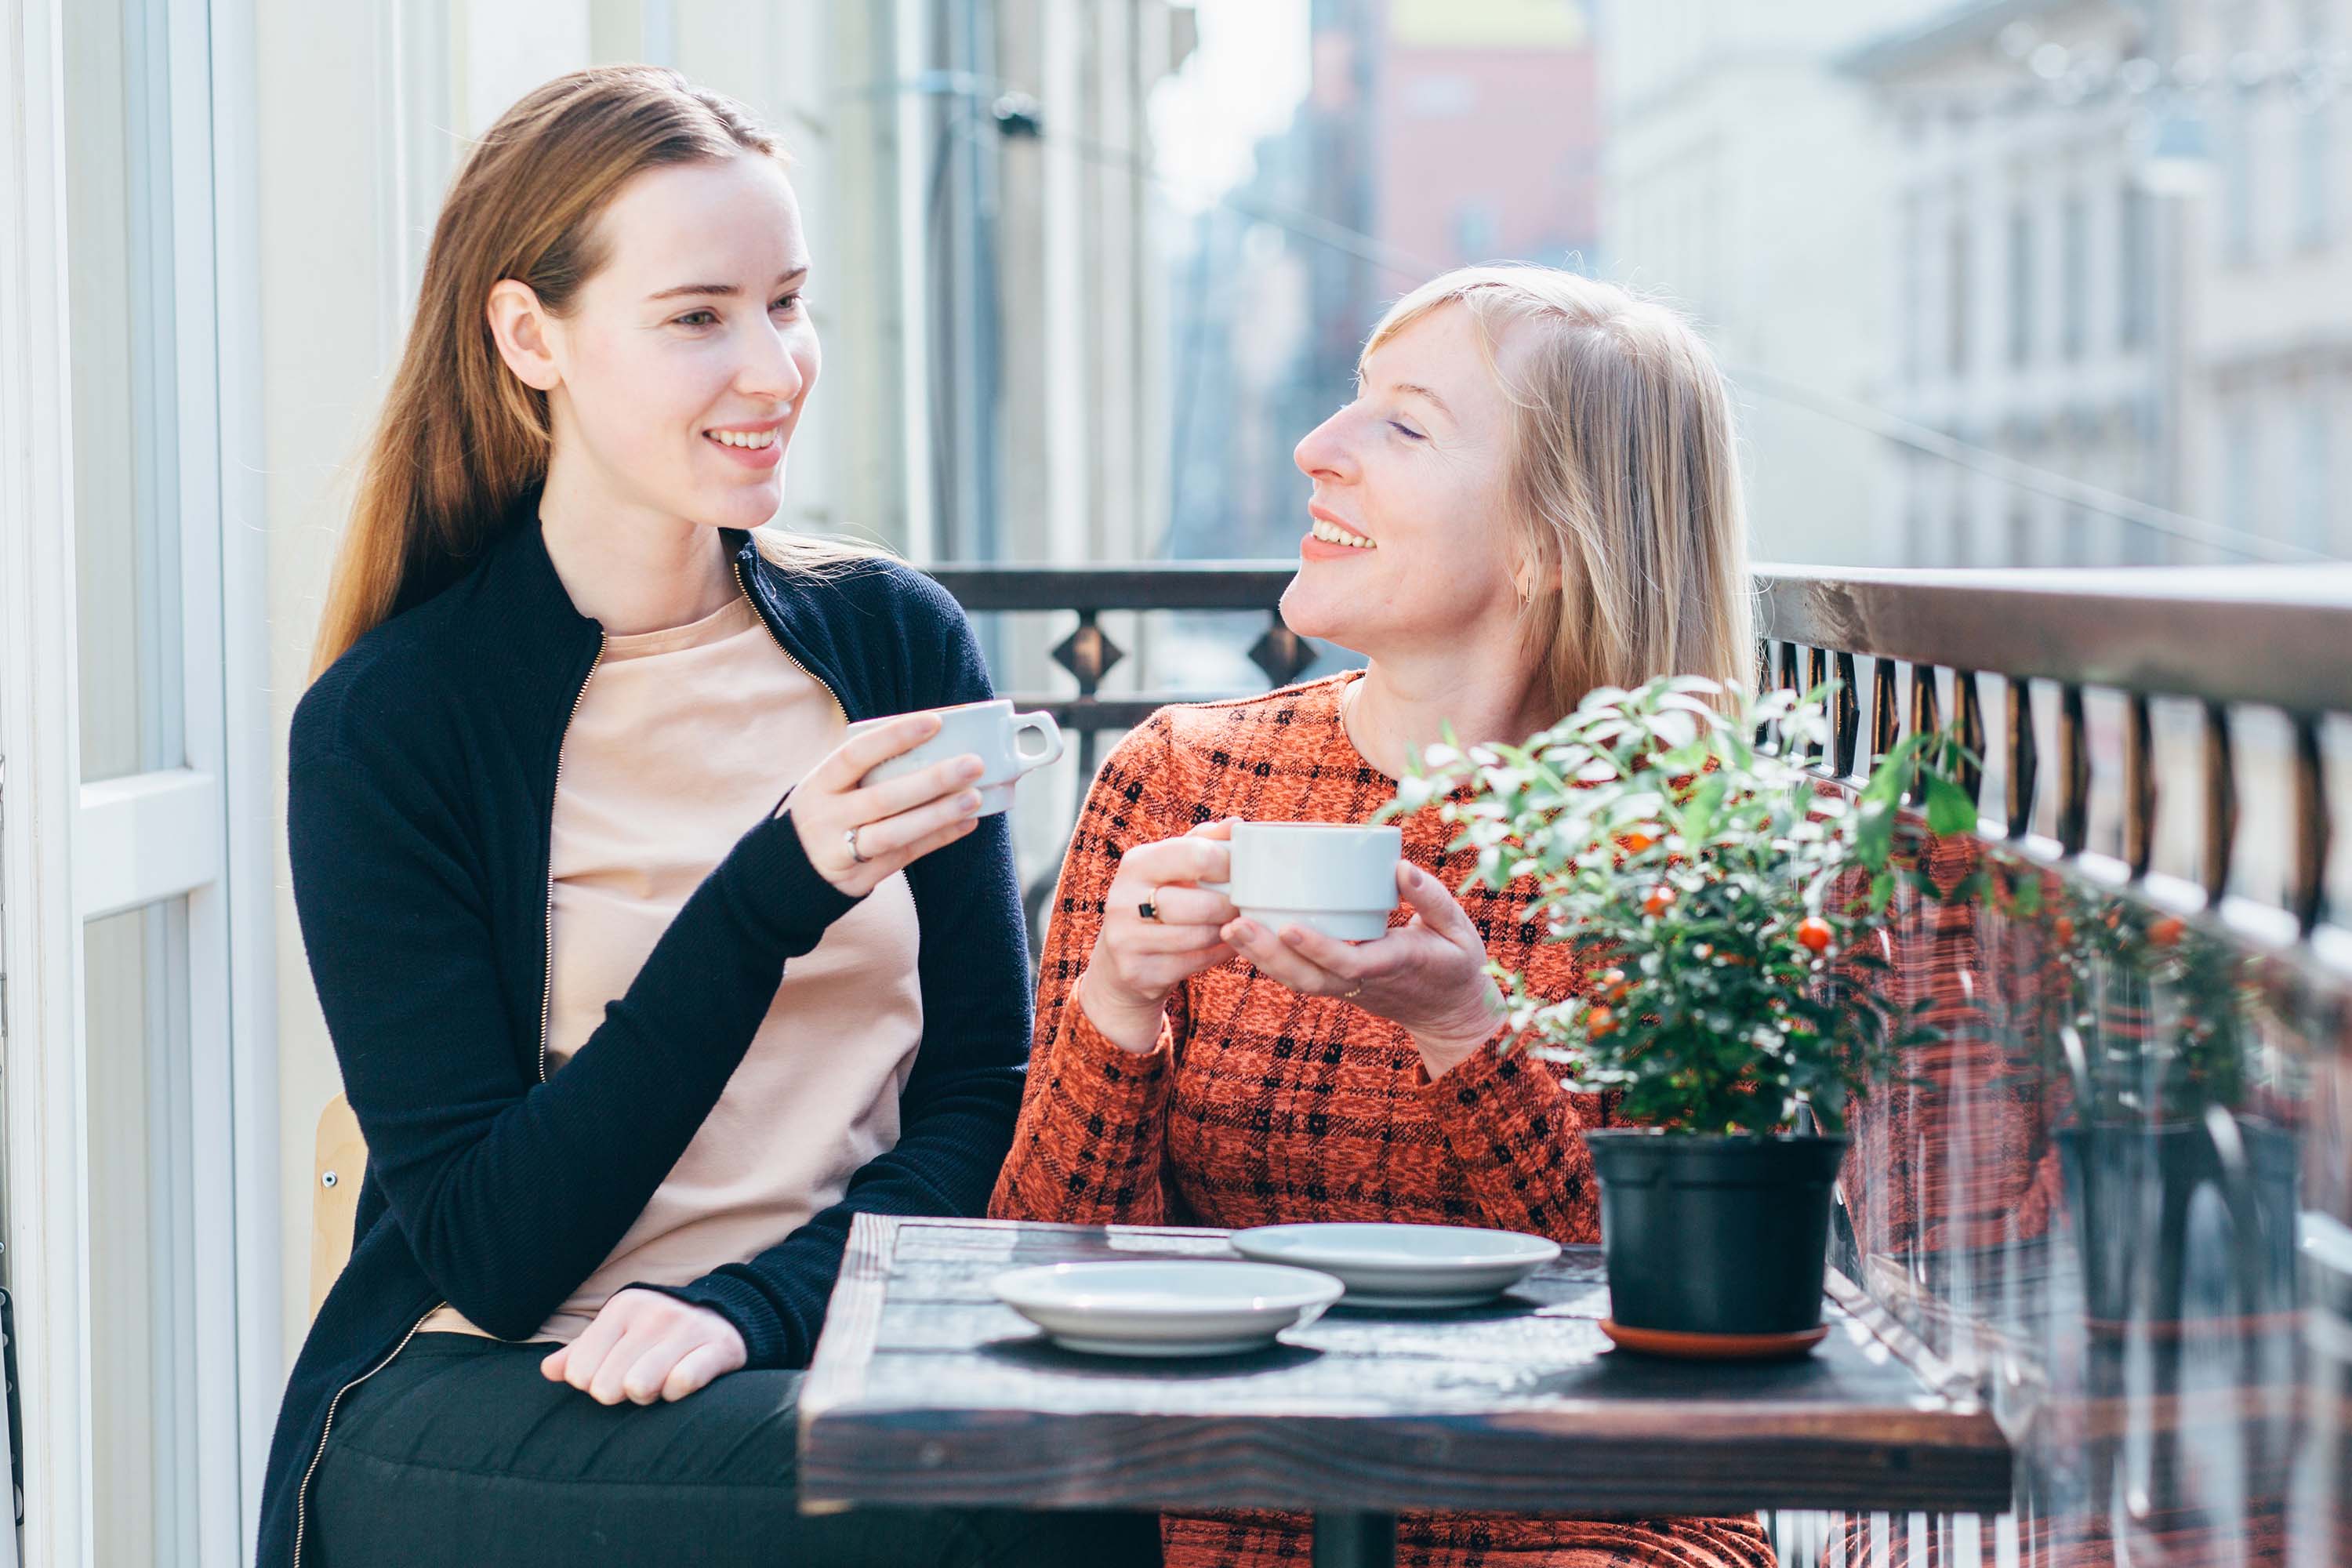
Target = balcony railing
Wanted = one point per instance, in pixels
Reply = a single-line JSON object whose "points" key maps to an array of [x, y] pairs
{"points": [[2028, 657], [2154, 1003]]}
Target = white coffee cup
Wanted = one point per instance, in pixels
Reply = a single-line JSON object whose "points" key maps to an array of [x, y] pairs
{"points": [[991, 731], [1335, 877]]}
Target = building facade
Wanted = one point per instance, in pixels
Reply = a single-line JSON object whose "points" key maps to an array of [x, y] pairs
{"points": [[2119, 259], [2032, 319], [1742, 183], [2269, 242]]}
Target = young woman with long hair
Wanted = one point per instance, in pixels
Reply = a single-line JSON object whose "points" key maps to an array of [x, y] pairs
{"points": [[637, 995], [1534, 492]]}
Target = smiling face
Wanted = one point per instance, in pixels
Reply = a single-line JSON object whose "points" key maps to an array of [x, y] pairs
{"points": [[1411, 547], [681, 370]]}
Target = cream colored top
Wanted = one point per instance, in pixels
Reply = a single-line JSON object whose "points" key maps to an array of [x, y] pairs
{"points": [[683, 740]]}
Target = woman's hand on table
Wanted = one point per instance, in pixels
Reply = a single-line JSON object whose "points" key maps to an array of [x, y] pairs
{"points": [[645, 1346], [1136, 962], [896, 823], [1429, 975]]}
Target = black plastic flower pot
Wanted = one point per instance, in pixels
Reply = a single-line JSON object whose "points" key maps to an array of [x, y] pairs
{"points": [[2132, 1190], [1719, 1235]]}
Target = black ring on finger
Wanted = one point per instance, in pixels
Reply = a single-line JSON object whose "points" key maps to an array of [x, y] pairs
{"points": [[1150, 908]]}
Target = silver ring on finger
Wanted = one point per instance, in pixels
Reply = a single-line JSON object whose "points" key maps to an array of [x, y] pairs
{"points": [[1150, 908], [856, 854]]}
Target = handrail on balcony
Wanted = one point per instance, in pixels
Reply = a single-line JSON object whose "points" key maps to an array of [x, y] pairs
{"points": [[2280, 638]]}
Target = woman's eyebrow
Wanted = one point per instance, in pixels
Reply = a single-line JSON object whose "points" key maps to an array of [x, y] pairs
{"points": [[1417, 390], [723, 291]]}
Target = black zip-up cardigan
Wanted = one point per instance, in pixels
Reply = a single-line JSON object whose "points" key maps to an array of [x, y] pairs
{"points": [[422, 786]]}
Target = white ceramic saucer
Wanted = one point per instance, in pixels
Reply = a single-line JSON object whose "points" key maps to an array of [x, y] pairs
{"points": [[1168, 1306], [1425, 1266]]}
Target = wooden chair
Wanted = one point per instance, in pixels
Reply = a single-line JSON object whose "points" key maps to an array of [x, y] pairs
{"points": [[341, 1158]]}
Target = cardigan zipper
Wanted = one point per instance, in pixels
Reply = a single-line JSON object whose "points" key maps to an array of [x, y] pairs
{"points": [[744, 582], [302, 1493], [547, 989]]}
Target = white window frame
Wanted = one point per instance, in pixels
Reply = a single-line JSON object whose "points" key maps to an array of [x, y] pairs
{"points": [[202, 830]]}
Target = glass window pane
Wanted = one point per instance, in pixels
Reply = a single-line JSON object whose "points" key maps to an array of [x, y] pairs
{"points": [[141, 1235], [118, 254]]}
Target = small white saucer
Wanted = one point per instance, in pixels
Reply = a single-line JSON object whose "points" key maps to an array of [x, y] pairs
{"points": [[1166, 1306], [1423, 1266]]}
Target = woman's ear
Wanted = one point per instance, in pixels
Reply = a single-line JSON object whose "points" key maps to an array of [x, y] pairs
{"points": [[1528, 576], [520, 326]]}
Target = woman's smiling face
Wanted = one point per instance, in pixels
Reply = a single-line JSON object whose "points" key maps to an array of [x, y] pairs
{"points": [[688, 357], [1411, 545]]}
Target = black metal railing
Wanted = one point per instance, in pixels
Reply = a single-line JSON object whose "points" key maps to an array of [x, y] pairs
{"points": [[1934, 642], [2223, 640]]}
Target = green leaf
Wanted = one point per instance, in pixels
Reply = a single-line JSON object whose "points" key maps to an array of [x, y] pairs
{"points": [[1950, 809]]}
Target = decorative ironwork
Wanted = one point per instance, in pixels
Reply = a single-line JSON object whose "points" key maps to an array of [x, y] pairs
{"points": [[1282, 653], [1817, 670], [1969, 727], [2139, 787], [2074, 770], [2221, 803], [1847, 714], [2024, 760], [2282, 640], [2307, 889], [1927, 716], [1087, 653], [1886, 720]]}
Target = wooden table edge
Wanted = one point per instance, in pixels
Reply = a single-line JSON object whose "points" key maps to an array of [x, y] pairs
{"points": [[1964, 1440]]}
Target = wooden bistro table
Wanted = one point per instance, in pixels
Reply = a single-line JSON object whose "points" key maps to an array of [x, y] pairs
{"points": [[925, 1390]]}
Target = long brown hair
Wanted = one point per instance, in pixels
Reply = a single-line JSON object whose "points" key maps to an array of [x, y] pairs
{"points": [[1624, 478], [460, 437]]}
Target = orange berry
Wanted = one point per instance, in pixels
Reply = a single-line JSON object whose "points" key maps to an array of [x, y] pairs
{"points": [[2063, 930], [2167, 931], [1814, 933], [1661, 899], [1614, 985], [1599, 1022], [1640, 840]]}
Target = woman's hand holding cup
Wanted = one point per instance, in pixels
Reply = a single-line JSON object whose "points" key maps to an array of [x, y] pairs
{"points": [[895, 824], [1429, 975], [1137, 960]]}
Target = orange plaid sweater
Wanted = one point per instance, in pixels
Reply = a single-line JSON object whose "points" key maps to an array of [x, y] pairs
{"points": [[1260, 1106]]}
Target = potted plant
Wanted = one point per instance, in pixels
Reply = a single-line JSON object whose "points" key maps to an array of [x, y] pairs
{"points": [[1730, 905], [2157, 1038]]}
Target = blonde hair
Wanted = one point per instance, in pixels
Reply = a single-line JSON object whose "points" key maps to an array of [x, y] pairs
{"points": [[1625, 476], [460, 438]]}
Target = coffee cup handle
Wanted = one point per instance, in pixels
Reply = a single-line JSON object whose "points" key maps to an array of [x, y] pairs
{"points": [[1040, 724], [1223, 889]]}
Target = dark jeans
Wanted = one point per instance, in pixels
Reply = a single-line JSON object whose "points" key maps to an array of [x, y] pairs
{"points": [[460, 1455]]}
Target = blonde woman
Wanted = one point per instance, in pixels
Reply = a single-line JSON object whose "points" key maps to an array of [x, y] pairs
{"points": [[1533, 493], [637, 993]]}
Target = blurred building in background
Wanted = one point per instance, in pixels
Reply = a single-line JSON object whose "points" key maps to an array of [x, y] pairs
{"points": [[2267, 237], [2117, 256], [1742, 183], [1429, 135], [2030, 320]]}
